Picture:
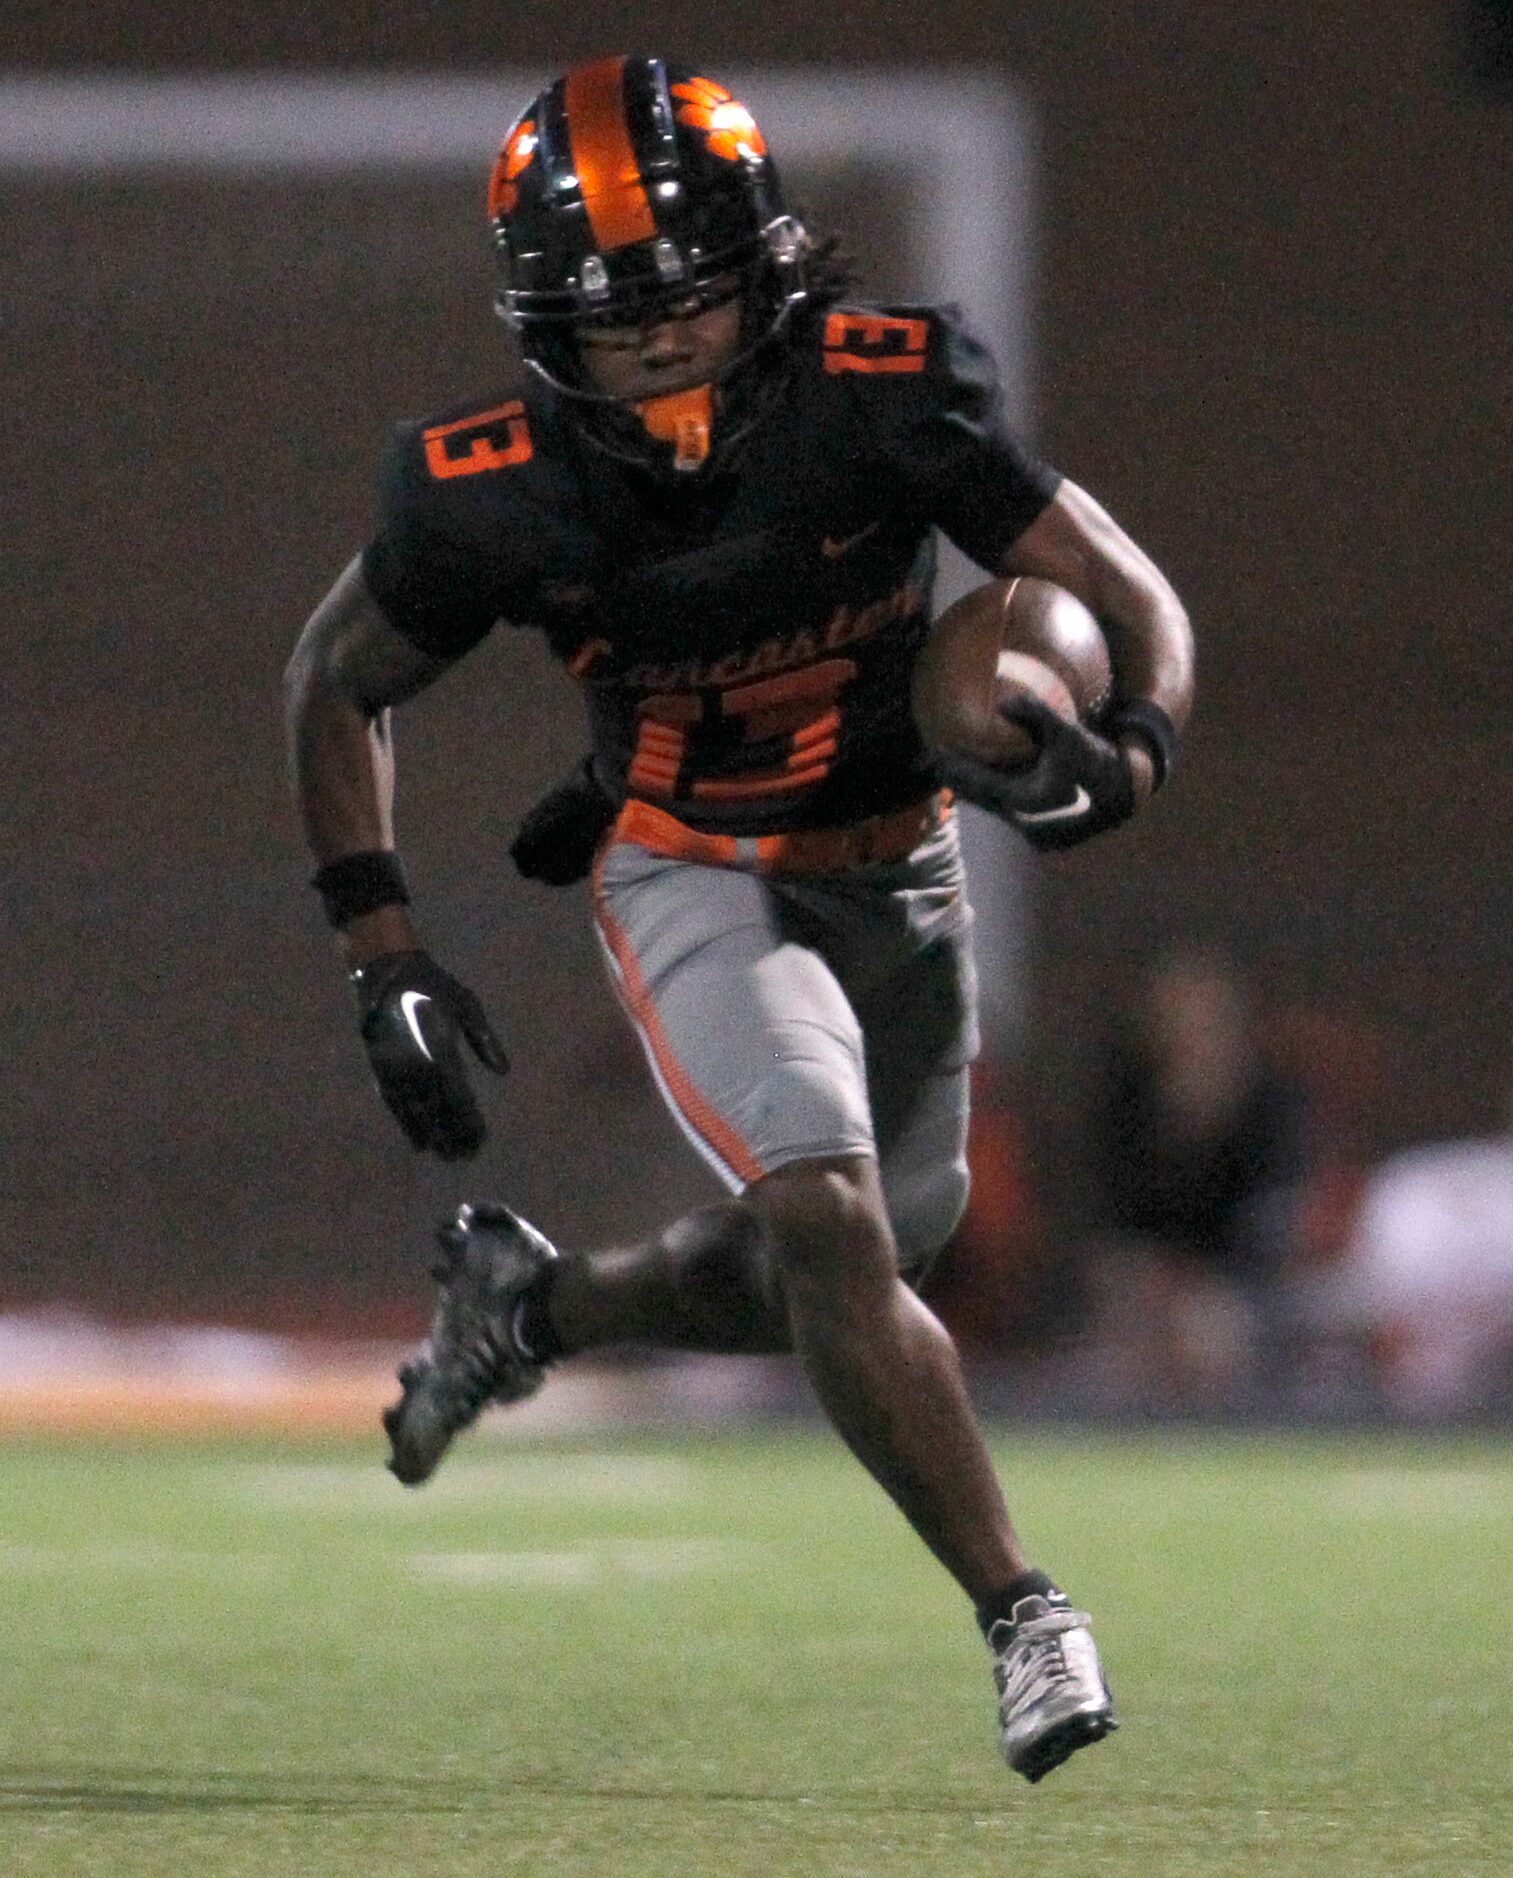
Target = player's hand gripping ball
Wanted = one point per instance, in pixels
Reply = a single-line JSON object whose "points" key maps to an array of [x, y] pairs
{"points": [[414, 1018], [1009, 693]]}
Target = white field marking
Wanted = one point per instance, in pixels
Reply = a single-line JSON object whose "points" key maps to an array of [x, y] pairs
{"points": [[542, 1479], [43, 1347], [1436, 1494], [46, 1560], [623, 1558]]}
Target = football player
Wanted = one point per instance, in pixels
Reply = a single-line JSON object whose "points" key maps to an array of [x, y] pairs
{"points": [[716, 499]]}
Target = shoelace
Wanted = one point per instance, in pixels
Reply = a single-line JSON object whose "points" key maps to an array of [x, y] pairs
{"points": [[1037, 1649]]}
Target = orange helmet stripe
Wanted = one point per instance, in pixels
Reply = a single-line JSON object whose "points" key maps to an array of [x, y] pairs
{"points": [[604, 158]]}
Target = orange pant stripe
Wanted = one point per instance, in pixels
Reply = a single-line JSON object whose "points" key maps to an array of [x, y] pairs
{"points": [[705, 1121]]}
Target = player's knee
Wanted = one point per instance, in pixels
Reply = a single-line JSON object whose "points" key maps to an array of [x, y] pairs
{"points": [[925, 1206], [827, 1229]]}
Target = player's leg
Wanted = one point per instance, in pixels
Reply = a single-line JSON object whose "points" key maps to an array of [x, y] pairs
{"points": [[510, 1304], [805, 1260], [758, 1052], [843, 1229], [759, 1055], [703, 1283], [746, 994], [907, 969], [901, 952], [920, 1040], [887, 1374], [882, 1365], [738, 1023], [810, 1104]]}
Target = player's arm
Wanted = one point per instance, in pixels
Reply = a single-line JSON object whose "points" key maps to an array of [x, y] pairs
{"points": [[949, 442], [348, 670], [1076, 543]]}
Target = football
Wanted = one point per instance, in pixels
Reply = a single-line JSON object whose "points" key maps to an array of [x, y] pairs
{"points": [[1003, 638]]}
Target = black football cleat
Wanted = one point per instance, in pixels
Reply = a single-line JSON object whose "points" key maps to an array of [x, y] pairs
{"points": [[490, 1257], [1052, 1697]]}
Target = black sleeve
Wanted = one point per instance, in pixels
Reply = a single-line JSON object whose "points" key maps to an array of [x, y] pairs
{"points": [[955, 449], [436, 579]]}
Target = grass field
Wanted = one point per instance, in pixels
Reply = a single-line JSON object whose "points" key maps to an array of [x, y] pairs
{"points": [[705, 1656]]}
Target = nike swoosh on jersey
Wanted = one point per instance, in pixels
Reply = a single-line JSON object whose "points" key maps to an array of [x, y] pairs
{"points": [[1079, 805], [407, 1002], [833, 549]]}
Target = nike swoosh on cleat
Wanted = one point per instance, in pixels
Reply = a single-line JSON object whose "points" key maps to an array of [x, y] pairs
{"points": [[833, 549], [407, 1003], [1079, 805]]}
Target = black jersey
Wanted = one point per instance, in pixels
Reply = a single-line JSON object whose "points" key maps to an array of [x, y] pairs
{"points": [[745, 638]]}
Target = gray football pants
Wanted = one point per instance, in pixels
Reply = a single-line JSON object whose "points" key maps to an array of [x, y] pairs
{"points": [[792, 1017]]}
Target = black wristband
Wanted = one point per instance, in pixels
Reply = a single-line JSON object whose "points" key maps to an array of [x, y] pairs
{"points": [[360, 883], [1152, 729]]}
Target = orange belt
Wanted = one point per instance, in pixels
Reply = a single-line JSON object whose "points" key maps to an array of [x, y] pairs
{"points": [[890, 837]]}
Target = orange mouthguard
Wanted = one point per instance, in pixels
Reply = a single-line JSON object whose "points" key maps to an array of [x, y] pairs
{"points": [[683, 419]]}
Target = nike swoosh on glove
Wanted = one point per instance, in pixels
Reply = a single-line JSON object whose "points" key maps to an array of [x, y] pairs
{"points": [[1078, 785], [413, 1017]]}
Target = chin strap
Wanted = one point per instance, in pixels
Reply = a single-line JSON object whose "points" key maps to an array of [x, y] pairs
{"points": [[684, 419]]}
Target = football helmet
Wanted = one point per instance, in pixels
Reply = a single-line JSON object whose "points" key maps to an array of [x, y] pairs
{"points": [[634, 189]]}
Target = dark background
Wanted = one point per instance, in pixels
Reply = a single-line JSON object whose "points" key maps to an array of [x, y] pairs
{"points": [[1273, 303]]}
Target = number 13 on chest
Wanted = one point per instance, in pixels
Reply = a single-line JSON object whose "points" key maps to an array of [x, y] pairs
{"points": [[681, 733]]}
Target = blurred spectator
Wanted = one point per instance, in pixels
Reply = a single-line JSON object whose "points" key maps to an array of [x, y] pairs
{"points": [[1425, 1283], [1198, 1165]]}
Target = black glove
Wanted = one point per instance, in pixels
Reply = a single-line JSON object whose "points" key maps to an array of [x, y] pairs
{"points": [[412, 1015], [1077, 785], [557, 841]]}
